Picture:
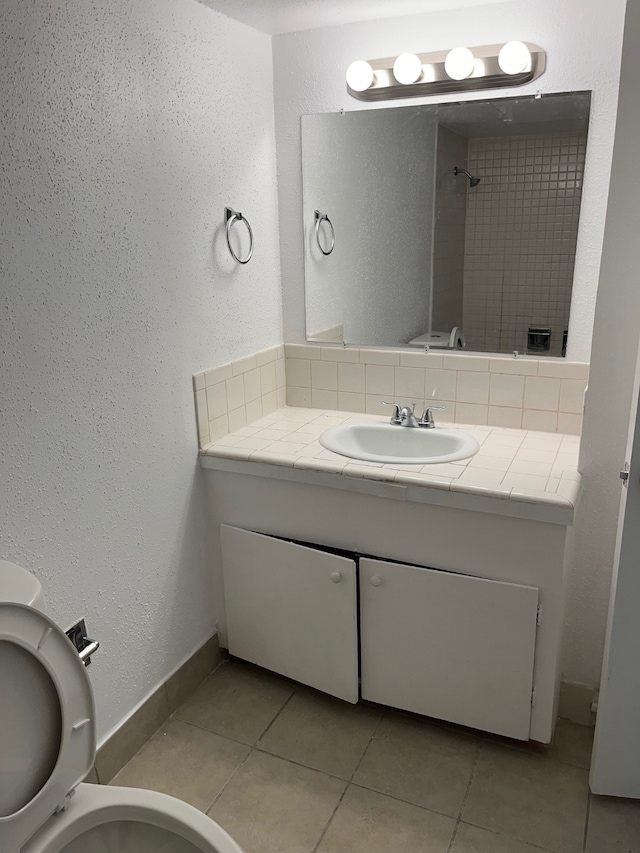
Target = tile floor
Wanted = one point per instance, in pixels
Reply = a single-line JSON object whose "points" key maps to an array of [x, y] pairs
{"points": [[285, 769]]}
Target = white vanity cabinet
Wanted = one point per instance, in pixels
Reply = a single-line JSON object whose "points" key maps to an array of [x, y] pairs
{"points": [[456, 612], [439, 643], [447, 645], [292, 609]]}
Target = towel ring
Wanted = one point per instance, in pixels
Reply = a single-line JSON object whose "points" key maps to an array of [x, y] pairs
{"points": [[319, 217], [232, 216]]}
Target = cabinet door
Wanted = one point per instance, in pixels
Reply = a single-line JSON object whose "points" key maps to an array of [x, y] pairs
{"points": [[292, 609], [448, 646]]}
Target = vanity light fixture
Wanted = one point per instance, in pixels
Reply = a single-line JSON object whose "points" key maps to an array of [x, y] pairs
{"points": [[412, 75]]}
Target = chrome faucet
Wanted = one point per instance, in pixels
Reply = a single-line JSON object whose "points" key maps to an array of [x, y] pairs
{"points": [[402, 415], [407, 417]]}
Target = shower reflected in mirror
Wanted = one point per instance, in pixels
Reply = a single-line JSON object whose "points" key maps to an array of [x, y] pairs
{"points": [[473, 182]]}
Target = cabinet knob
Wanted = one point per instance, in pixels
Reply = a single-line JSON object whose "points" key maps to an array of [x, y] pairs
{"points": [[375, 580], [336, 577]]}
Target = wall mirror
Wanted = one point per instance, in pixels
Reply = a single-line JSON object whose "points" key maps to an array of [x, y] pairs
{"points": [[444, 225]]}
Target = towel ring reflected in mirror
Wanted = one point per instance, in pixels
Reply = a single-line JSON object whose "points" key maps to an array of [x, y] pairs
{"points": [[322, 217], [232, 216]]}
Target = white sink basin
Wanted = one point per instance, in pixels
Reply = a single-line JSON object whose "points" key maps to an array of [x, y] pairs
{"points": [[398, 444]]}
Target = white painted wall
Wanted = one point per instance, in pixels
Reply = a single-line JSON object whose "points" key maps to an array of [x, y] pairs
{"points": [[386, 300], [127, 127], [583, 43], [582, 39]]}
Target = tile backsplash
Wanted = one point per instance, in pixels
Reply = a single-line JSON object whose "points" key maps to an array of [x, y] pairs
{"points": [[523, 393], [234, 394]]}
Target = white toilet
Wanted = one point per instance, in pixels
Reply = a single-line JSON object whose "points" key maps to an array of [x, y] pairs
{"points": [[440, 340], [47, 747]]}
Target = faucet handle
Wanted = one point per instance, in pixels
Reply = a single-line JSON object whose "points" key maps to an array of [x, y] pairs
{"points": [[395, 417], [427, 420]]}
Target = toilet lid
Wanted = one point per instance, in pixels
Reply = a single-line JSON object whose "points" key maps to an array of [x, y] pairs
{"points": [[47, 732]]}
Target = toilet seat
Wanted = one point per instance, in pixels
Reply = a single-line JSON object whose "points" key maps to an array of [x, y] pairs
{"points": [[50, 650], [95, 806]]}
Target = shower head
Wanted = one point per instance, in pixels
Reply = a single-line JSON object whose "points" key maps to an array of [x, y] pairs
{"points": [[473, 182]]}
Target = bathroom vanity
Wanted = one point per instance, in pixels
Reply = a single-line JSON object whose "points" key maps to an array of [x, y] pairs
{"points": [[432, 590]]}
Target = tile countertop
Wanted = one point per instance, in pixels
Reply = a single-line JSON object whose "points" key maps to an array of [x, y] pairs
{"points": [[518, 466]]}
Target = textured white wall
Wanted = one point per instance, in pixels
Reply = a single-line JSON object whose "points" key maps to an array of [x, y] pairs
{"points": [[127, 127], [386, 300], [582, 39]]}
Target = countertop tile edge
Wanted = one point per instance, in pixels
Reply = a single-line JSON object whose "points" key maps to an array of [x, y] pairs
{"points": [[564, 499]]}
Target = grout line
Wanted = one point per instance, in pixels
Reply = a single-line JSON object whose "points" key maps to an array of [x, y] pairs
{"points": [[217, 734], [293, 693], [331, 817], [470, 782], [299, 764], [466, 796], [228, 781], [349, 782], [453, 837], [368, 744], [400, 800], [233, 739], [531, 844], [586, 823]]}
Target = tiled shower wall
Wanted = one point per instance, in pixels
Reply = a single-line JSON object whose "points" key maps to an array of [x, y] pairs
{"points": [[521, 228], [522, 393]]}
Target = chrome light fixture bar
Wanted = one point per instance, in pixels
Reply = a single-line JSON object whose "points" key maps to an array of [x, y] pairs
{"points": [[462, 69]]}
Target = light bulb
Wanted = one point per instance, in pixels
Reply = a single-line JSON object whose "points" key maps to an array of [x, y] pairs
{"points": [[407, 68], [459, 63], [359, 75], [514, 58], [479, 68], [428, 73]]}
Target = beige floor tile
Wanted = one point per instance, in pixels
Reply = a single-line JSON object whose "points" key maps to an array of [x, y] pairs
{"points": [[472, 839], [184, 761], [529, 797], [321, 732], [368, 822], [420, 763], [273, 806], [572, 744], [237, 701], [614, 826]]}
